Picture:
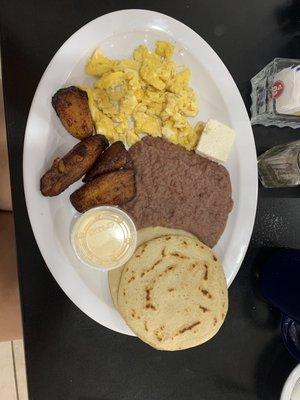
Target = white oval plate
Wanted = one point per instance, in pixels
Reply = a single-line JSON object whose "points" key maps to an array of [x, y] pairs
{"points": [[290, 383], [117, 34]]}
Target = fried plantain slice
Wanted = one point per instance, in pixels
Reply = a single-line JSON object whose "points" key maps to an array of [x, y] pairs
{"points": [[113, 188], [72, 166], [112, 159], [72, 107]]}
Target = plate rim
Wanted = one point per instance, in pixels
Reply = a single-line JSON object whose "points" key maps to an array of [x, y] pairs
{"points": [[26, 175]]}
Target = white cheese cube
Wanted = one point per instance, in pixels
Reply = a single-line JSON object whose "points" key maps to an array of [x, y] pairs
{"points": [[215, 141]]}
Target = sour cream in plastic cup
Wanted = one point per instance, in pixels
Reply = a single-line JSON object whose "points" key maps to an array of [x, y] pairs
{"points": [[104, 238]]}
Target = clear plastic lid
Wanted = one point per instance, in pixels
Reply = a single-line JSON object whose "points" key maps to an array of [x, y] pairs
{"points": [[104, 237]]}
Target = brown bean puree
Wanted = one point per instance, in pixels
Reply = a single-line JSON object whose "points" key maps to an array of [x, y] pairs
{"points": [[179, 189]]}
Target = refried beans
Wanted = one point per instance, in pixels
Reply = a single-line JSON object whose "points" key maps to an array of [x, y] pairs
{"points": [[176, 188]]}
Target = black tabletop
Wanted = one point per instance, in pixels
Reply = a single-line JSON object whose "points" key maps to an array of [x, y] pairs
{"points": [[68, 355]]}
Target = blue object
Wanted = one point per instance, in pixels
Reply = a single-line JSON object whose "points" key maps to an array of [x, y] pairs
{"points": [[280, 285], [290, 331]]}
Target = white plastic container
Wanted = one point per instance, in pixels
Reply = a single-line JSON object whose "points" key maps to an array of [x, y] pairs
{"points": [[104, 237]]}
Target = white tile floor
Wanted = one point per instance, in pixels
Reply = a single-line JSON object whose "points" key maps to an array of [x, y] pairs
{"points": [[13, 384]]}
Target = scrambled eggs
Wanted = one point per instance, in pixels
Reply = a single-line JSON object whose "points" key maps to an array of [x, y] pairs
{"points": [[147, 94]]}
